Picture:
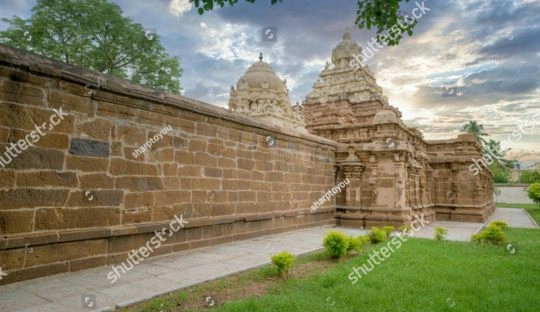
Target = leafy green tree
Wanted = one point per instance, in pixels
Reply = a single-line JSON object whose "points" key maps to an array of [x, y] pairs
{"points": [[501, 174], [94, 34], [491, 148], [530, 176], [386, 16], [534, 193], [477, 130]]}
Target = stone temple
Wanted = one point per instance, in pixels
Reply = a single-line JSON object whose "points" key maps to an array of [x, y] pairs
{"points": [[395, 173], [89, 188]]}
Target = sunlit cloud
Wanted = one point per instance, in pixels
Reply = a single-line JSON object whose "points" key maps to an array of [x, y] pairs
{"points": [[179, 7]]}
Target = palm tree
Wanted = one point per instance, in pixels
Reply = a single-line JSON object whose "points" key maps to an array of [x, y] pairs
{"points": [[477, 130]]}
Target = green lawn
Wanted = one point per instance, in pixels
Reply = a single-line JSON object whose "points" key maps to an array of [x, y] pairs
{"points": [[422, 275], [533, 209]]}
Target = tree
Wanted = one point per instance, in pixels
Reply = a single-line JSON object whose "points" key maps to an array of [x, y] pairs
{"points": [[501, 174], [534, 193], [477, 130], [385, 15], [530, 176], [492, 149], [94, 34]]}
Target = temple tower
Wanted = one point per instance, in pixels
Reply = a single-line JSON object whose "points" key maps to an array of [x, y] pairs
{"points": [[260, 93]]}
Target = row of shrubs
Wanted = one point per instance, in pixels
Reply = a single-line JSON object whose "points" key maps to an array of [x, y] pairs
{"points": [[337, 244]]}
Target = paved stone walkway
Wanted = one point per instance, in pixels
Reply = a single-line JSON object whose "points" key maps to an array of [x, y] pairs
{"points": [[73, 291]]}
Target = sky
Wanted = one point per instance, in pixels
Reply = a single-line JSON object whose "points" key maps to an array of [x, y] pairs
{"points": [[467, 59]]}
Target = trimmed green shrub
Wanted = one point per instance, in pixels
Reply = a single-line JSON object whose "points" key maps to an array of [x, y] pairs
{"points": [[388, 229], [377, 235], [336, 244], [491, 234], [283, 261], [440, 233], [354, 245], [363, 239], [534, 192], [503, 225]]}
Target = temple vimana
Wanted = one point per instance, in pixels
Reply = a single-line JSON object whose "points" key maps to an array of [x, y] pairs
{"points": [[394, 172], [78, 196]]}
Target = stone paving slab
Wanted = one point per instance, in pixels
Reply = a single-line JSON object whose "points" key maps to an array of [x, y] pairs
{"points": [[159, 275], [515, 217], [457, 231]]}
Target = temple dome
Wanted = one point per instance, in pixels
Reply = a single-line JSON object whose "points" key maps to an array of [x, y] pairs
{"points": [[262, 94], [344, 51], [385, 116], [261, 75]]}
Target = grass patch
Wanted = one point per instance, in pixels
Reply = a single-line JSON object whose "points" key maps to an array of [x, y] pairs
{"points": [[423, 275], [532, 209], [252, 283]]}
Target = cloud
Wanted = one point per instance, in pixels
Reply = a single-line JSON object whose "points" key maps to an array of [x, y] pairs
{"points": [[179, 7], [488, 49]]}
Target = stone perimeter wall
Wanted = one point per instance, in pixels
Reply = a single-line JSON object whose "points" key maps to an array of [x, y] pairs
{"points": [[78, 198]]}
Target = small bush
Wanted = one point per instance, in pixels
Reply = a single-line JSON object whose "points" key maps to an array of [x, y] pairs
{"points": [[503, 225], [354, 245], [534, 192], [377, 235], [440, 233], [336, 244], [363, 239], [283, 262], [491, 234], [388, 229]]}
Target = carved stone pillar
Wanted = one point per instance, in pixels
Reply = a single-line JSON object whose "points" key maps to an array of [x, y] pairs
{"points": [[353, 169]]}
